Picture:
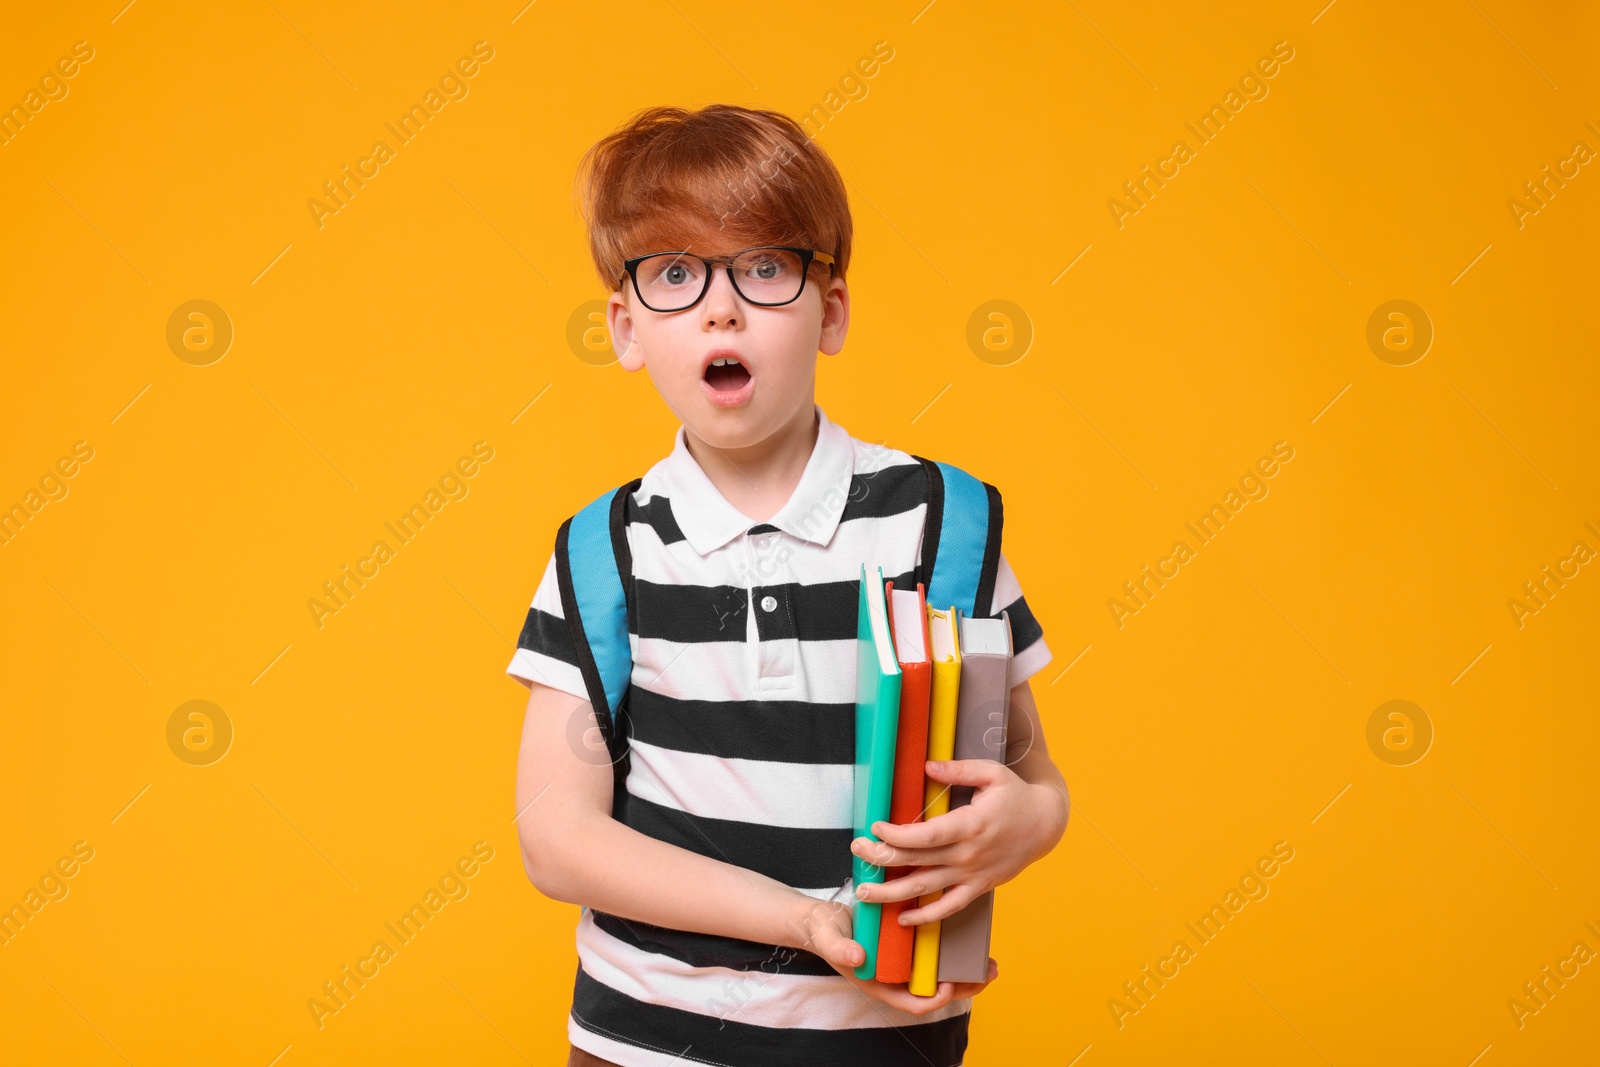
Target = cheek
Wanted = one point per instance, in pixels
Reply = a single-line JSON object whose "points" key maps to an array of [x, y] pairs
{"points": [[788, 344], [799, 328], [673, 351]]}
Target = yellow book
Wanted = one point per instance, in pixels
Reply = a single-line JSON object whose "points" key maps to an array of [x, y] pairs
{"points": [[945, 651]]}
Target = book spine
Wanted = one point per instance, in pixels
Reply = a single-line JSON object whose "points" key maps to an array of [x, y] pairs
{"points": [[944, 689], [874, 773], [896, 941], [980, 734]]}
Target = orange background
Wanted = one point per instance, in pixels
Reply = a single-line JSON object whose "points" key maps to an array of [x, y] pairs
{"points": [[1230, 313]]}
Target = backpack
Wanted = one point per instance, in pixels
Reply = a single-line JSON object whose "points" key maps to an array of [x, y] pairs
{"points": [[960, 558]]}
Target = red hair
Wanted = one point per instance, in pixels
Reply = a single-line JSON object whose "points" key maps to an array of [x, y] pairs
{"points": [[711, 181]]}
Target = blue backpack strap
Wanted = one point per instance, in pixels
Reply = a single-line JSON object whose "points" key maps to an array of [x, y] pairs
{"points": [[593, 563], [960, 540]]}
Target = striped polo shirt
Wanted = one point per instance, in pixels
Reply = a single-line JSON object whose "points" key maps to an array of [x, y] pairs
{"points": [[741, 719]]}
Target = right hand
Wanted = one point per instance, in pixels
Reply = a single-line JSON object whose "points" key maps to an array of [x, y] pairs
{"points": [[829, 925]]}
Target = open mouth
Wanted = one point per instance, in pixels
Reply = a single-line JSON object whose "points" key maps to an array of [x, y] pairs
{"points": [[726, 374]]}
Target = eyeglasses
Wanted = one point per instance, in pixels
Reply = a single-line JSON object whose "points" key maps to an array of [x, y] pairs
{"points": [[768, 276]]}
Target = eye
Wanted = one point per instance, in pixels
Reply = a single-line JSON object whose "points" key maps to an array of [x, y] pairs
{"points": [[766, 269], [672, 272]]}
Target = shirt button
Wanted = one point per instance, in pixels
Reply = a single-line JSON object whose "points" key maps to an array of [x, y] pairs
{"points": [[769, 603]]}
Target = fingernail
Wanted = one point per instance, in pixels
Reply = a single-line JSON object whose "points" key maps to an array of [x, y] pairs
{"points": [[861, 891]]}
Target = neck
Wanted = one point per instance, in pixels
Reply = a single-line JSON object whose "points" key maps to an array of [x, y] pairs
{"points": [[759, 479]]}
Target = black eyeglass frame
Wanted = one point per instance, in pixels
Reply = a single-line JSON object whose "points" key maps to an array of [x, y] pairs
{"points": [[630, 270]]}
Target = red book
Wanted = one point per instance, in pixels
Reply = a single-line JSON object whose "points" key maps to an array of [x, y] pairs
{"points": [[908, 621]]}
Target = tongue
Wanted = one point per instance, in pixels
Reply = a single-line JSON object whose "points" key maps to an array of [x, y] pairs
{"points": [[727, 378]]}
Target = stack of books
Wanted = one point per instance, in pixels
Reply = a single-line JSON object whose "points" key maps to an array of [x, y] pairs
{"points": [[930, 684]]}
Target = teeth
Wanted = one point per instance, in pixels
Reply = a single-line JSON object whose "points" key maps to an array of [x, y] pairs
{"points": [[725, 361]]}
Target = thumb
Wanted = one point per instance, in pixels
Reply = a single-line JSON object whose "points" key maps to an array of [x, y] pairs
{"points": [[966, 771], [839, 950]]}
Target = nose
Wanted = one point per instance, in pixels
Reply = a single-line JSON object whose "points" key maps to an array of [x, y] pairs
{"points": [[721, 307]]}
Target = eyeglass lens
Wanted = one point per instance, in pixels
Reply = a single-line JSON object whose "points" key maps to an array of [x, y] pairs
{"points": [[672, 281]]}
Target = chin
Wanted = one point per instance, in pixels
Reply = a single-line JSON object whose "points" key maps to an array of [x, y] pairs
{"points": [[734, 428]]}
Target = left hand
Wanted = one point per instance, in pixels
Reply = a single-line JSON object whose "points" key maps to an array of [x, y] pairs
{"points": [[968, 851], [828, 926]]}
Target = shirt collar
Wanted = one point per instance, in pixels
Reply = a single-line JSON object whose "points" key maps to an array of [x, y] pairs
{"points": [[812, 513]]}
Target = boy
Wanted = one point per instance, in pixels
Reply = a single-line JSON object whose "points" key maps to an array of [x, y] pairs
{"points": [[716, 921]]}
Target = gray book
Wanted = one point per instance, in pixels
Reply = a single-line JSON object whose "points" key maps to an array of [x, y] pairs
{"points": [[982, 706]]}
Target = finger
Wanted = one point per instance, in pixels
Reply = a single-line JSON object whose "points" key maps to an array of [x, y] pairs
{"points": [[991, 973], [972, 989], [919, 883], [883, 854], [968, 989], [899, 996], [975, 772], [950, 901], [943, 829], [838, 950]]}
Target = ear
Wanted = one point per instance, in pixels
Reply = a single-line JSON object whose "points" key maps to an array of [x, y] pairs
{"points": [[835, 317], [619, 326]]}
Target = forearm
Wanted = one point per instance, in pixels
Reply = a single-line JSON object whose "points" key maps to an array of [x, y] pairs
{"points": [[593, 859], [1029, 757], [1037, 769], [574, 851]]}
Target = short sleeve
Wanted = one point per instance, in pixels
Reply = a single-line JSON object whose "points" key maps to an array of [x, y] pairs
{"points": [[1029, 653], [545, 653]]}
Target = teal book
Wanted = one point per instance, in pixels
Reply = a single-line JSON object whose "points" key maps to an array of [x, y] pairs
{"points": [[877, 727]]}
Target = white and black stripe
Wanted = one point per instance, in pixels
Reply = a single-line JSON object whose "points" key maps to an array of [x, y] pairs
{"points": [[741, 725]]}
